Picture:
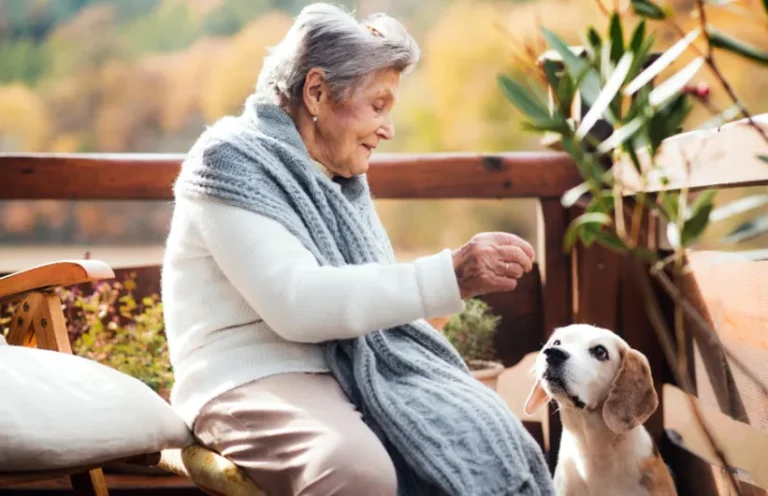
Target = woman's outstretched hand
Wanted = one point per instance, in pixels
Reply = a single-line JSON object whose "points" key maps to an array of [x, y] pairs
{"points": [[491, 263]]}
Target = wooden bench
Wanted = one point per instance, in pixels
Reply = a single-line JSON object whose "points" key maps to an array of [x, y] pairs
{"points": [[545, 176]]}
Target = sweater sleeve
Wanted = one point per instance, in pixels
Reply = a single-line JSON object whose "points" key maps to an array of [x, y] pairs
{"points": [[305, 302]]}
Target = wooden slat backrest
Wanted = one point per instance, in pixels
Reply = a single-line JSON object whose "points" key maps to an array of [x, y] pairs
{"points": [[718, 158], [731, 293]]}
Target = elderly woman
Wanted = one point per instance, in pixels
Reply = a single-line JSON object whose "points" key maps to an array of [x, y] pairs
{"points": [[299, 345]]}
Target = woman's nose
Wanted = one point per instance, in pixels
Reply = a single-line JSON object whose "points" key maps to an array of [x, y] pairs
{"points": [[387, 131]]}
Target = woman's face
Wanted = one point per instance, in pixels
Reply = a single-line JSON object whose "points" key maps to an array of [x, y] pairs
{"points": [[349, 129]]}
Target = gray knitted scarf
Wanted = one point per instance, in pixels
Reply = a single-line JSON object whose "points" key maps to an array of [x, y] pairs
{"points": [[445, 432]]}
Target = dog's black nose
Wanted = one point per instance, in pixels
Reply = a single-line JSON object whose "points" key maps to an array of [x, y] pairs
{"points": [[556, 356]]}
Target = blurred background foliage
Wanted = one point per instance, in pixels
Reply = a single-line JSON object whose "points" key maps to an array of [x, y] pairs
{"points": [[148, 75]]}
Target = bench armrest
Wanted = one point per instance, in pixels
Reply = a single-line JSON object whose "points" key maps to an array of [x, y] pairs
{"points": [[53, 275]]}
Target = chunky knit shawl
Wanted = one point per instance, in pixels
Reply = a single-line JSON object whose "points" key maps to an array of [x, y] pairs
{"points": [[445, 432]]}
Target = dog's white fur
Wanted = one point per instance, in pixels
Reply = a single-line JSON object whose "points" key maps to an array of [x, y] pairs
{"points": [[604, 399]]}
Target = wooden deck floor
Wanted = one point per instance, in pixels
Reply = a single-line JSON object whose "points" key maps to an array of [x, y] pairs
{"points": [[119, 485]]}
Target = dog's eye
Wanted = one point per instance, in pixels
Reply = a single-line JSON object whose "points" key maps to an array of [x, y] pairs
{"points": [[599, 352], [556, 342]]}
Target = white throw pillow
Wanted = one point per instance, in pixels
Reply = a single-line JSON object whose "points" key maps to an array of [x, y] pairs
{"points": [[59, 411]]}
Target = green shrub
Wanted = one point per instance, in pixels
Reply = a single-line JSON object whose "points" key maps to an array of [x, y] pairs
{"points": [[472, 331]]}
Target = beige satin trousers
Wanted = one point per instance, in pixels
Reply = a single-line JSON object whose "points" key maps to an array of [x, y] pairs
{"points": [[297, 435]]}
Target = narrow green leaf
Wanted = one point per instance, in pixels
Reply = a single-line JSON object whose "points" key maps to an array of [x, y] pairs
{"points": [[642, 54], [617, 37], [721, 40], [621, 135], [661, 63], [670, 204], [610, 240], [748, 230], [551, 70], [638, 35], [572, 233], [726, 115], [594, 38], [629, 147], [703, 200], [579, 69], [667, 120], [606, 66], [764, 158], [553, 125], [611, 89], [524, 100], [601, 203], [676, 83], [738, 206], [571, 196], [565, 94], [645, 8], [695, 225], [765, 6]]}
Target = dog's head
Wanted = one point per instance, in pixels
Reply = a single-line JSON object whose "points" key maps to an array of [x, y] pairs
{"points": [[587, 367]]}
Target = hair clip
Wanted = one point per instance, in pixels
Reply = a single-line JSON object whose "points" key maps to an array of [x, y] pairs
{"points": [[374, 31]]}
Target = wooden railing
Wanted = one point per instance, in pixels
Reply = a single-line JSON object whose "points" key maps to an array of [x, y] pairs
{"points": [[592, 285], [150, 177]]}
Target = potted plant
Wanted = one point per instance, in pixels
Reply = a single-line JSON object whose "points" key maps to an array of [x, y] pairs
{"points": [[472, 333]]}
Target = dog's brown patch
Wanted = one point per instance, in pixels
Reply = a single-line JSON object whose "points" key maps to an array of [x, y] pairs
{"points": [[655, 476], [632, 398]]}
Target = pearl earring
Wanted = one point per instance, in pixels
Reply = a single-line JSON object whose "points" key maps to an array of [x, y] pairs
{"points": [[314, 118]]}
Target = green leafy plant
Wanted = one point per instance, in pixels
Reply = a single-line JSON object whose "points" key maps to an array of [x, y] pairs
{"points": [[607, 110], [472, 332]]}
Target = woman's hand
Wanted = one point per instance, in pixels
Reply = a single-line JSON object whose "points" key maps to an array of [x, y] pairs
{"points": [[491, 263]]}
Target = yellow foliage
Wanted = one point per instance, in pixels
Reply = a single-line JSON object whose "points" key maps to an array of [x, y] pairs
{"points": [[232, 75], [184, 75], [24, 119], [65, 143], [453, 102], [83, 41], [198, 8], [130, 106]]}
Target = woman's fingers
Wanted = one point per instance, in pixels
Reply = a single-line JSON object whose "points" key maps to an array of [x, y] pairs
{"points": [[514, 254], [507, 239], [491, 263]]}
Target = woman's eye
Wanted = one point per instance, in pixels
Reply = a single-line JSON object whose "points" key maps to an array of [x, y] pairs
{"points": [[599, 352]]}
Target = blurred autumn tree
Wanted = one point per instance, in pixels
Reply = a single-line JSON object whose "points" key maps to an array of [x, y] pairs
{"points": [[148, 75]]}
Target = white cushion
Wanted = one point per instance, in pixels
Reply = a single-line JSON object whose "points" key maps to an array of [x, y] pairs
{"points": [[60, 411]]}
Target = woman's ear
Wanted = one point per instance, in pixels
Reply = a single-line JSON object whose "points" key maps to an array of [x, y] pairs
{"points": [[316, 90], [632, 398], [536, 398]]}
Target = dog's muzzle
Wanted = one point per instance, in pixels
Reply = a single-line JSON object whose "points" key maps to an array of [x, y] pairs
{"points": [[556, 358]]}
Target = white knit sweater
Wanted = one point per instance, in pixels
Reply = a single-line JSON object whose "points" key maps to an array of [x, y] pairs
{"points": [[243, 299]]}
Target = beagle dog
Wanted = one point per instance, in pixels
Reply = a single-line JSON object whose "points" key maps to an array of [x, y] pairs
{"points": [[605, 393]]}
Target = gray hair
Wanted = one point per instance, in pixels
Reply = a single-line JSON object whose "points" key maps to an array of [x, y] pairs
{"points": [[326, 37]]}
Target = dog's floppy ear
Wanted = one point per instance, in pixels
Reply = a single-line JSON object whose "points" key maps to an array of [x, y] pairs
{"points": [[632, 398], [536, 398]]}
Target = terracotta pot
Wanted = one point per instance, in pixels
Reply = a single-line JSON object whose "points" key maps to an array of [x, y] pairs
{"points": [[486, 372]]}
